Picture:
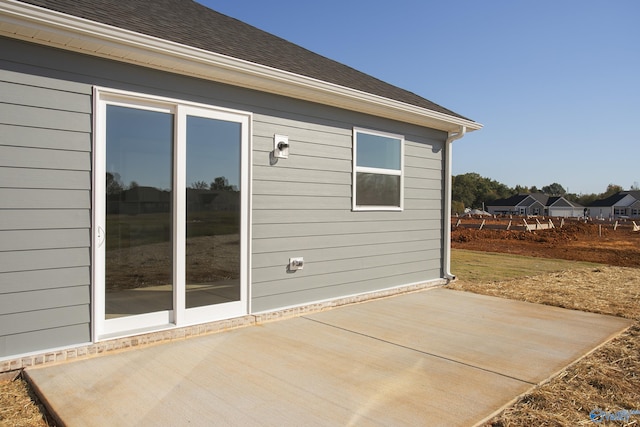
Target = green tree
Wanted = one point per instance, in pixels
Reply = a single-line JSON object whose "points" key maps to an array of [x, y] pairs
{"points": [[463, 188], [113, 184], [473, 190], [221, 183], [457, 207], [611, 190], [586, 199], [200, 185], [554, 189]]}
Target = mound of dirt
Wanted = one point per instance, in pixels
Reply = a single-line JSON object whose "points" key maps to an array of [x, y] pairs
{"points": [[575, 240]]}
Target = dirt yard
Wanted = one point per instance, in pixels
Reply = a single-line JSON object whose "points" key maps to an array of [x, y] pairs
{"points": [[594, 242]]}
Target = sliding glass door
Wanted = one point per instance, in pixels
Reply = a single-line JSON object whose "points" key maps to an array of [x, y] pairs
{"points": [[170, 220]]}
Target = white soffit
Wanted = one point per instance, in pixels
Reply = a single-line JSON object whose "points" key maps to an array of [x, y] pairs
{"points": [[35, 24]]}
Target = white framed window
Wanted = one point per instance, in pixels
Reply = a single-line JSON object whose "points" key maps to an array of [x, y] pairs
{"points": [[378, 171]]}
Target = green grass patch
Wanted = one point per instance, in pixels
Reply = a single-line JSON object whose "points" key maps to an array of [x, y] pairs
{"points": [[149, 228], [474, 266]]}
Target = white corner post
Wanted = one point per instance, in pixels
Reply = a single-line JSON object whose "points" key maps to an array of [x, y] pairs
{"points": [[448, 162]]}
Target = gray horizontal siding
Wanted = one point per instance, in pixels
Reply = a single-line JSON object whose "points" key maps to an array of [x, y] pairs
{"points": [[34, 79], [421, 164], [43, 299], [43, 97], [299, 297], [423, 173], [329, 280], [39, 219], [422, 194], [43, 259], [302, 189], [354, 228], [296, 243], [277, 259], [42, 158], [20, 240], [45, 183], [298, 161], [350, 263], [22, 281], [45, 338], [414, 200], [422, 183], [21, 115], [19, 136], [265, 174], [58, 317], [38, 198], [293, 202], [331, 216], [45, 179], [302, 207]]}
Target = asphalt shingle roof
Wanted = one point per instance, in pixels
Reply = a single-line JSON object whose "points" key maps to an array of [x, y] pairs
{"points": [[195, 25], [609, 201], [511, 201]]}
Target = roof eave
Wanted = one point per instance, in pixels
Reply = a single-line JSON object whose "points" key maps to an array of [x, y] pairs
{"points": [[43, 26]]}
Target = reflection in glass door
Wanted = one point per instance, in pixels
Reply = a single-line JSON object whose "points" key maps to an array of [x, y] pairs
{"points": [[138, 252], [170, 214], [212, 212]]}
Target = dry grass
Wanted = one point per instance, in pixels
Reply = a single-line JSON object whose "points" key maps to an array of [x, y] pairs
{"points": [[18, 407], [605, 290], [606, 380]]}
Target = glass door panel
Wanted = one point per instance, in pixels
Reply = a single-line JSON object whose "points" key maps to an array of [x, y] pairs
{"points": [[138, 213], [213, 207]]}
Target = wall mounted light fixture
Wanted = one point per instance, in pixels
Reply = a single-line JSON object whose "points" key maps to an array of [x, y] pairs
{"points": [[281, 146]]}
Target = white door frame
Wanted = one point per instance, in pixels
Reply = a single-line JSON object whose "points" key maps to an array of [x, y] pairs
{"points": [[179, 316]]}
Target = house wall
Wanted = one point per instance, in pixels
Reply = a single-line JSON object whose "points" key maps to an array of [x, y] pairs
{"points": [[45, 199], [634, 210], [301, 206], [621, 208], [561, 212], [566, 212], [601, 212]]}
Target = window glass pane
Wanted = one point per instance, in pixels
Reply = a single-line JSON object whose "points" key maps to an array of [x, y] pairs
{"points": [[213, 211], [138, 255], [377, 190], [377, 151]]}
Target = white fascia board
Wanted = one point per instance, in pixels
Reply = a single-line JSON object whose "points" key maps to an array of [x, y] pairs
{"points": [[38, 25]]}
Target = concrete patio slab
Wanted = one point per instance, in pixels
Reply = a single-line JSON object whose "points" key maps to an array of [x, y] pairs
{"points": [[490, 333], [437, 357]]}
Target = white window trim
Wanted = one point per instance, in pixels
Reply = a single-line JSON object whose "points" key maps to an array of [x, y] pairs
{"points": [[180, 316], [381, 171]]}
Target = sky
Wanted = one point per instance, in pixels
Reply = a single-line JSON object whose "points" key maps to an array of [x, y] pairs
{"points": [[556, 83]]}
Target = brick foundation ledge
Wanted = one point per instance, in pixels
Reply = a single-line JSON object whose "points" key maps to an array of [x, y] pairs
{"points": [[174, 334]]}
